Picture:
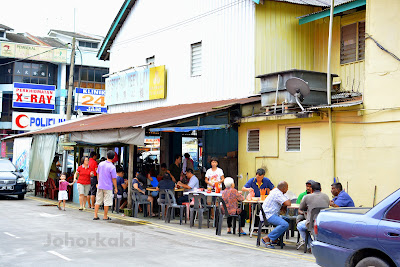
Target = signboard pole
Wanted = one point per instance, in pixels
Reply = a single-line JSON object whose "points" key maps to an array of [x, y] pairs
{"points": [[69, 101]]}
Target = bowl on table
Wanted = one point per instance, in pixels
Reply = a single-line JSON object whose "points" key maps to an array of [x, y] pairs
{"points": [[255, 198]]}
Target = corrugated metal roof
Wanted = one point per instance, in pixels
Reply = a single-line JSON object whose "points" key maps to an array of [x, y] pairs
{"points": [[51, 41], [2, 26], [19, 38], [76, 35], [338, 105], [142, 118], [337, 3]]}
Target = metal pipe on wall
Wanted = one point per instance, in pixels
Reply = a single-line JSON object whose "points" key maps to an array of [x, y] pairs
{"points": [[329, 87]]}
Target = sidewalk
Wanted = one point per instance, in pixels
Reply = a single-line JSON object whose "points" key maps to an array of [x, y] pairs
{"points": [[205, 233]]}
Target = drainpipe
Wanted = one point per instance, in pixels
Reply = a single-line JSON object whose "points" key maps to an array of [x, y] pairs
{"points": [[329, 87]]}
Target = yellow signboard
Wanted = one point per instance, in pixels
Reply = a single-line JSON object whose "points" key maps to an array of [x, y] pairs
{"points": [[33, 52], [157, 83]]}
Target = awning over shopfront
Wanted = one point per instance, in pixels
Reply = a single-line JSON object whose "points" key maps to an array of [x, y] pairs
{"points": [[190, 128], [129, 127]]}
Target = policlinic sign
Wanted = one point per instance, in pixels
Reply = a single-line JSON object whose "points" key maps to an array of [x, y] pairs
{"points": [[34, 96], [27, 121]]}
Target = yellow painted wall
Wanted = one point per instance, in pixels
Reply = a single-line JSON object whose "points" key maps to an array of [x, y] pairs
{"points": [[283, 44], [367, 140]]}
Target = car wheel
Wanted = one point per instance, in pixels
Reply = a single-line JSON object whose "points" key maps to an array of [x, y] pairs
{"points": [[372, 261], [21, 197]]}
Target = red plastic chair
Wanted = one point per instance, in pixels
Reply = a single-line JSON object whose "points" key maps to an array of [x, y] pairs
{"points": [[53, 190], [70, 188], [46, 188]]}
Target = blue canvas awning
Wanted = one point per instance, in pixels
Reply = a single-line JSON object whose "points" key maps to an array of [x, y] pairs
{"points": [[190, 128], [325, 13]]}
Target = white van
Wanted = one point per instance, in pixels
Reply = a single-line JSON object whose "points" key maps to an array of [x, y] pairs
{"points": [[150, 156]]}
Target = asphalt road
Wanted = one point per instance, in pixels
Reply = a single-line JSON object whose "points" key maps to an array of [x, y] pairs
{"points": [[35, 233]]}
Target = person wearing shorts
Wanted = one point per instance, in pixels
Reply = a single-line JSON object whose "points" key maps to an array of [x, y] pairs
{"points": [[107, 178], [84, 172], [93, 180]]}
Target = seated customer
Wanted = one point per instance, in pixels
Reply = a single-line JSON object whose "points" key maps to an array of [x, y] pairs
{"points": [[163, 169], [122, 185], [137, 184], [231, 197], [192, 185], [271, 207], [315, 200], [257, 183], [341, 198], [166, 182]]}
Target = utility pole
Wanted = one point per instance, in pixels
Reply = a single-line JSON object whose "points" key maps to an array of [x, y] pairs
{"points": [[69, 100]]}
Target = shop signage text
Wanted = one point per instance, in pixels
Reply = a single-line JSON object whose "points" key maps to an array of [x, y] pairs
{"points": [[34, 52], [135, 86], [90, 100], [34, 96], [27, 121]]}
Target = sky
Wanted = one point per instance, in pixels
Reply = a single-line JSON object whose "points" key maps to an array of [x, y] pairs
{"points": [[38, 17]]}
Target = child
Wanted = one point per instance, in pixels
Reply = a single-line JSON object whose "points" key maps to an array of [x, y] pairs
{"points": [[62, 192], [214, 174]]}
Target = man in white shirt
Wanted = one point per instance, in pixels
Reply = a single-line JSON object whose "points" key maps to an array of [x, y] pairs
{"points": [[271, 207], [192, 185]]}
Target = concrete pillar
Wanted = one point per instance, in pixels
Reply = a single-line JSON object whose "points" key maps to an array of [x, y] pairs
{"points": [[131, 174], [61, 82]]}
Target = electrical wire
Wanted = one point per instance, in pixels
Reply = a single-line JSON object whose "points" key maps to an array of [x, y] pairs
{"points": [[381, 47], [178, 24]]}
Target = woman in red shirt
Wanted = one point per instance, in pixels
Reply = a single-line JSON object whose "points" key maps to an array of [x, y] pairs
{"points": [[84, 172]]}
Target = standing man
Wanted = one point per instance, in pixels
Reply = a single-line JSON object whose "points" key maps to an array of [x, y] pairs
{"points": [[258, 182], [93, 180], [341, 198], [271, 207], [315, 200], [192, 185], [187, 163], [175, 168], [107, 176]]}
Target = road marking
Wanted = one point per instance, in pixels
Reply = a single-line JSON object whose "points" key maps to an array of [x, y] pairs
{"points": [[48, 215], [59, 255], [7, 233], [188, 232]]}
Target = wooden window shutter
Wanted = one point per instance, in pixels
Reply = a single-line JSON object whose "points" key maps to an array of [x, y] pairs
{"points": [[361, 40], [253, 140], [348, 45]]}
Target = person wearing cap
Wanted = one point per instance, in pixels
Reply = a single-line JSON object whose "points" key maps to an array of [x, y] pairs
{"points": [[258, 182], [308, 191]]}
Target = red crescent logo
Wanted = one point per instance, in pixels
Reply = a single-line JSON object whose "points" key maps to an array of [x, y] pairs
{"points": [[18, 123]]}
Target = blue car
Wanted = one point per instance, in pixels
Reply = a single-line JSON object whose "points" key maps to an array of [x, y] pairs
{"points": [[359, 236]]}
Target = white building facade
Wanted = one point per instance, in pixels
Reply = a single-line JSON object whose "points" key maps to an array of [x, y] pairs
{"points": [[206, 46]]}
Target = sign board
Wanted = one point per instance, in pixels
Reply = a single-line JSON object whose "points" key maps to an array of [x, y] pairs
{"points": [[34, 96], [34, 52], [135, 86], [90, 100], [21, 151], [27, 121]]}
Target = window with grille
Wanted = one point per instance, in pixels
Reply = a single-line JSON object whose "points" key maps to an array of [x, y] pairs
{"points": [[196, 59], [293, 139], [352, 44], [253, 140]]}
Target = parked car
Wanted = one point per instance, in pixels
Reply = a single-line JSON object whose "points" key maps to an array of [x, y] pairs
{"points": [[359, 236], [12, 182]]}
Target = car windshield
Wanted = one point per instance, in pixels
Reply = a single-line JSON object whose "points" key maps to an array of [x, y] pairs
{"points": [[6, 166]]}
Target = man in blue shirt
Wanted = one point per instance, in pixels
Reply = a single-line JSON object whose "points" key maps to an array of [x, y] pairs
{"points": [[341, 198], [257, 183]]}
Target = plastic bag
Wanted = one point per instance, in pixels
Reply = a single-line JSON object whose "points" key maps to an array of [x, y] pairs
{"points": [[250, 195]]}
